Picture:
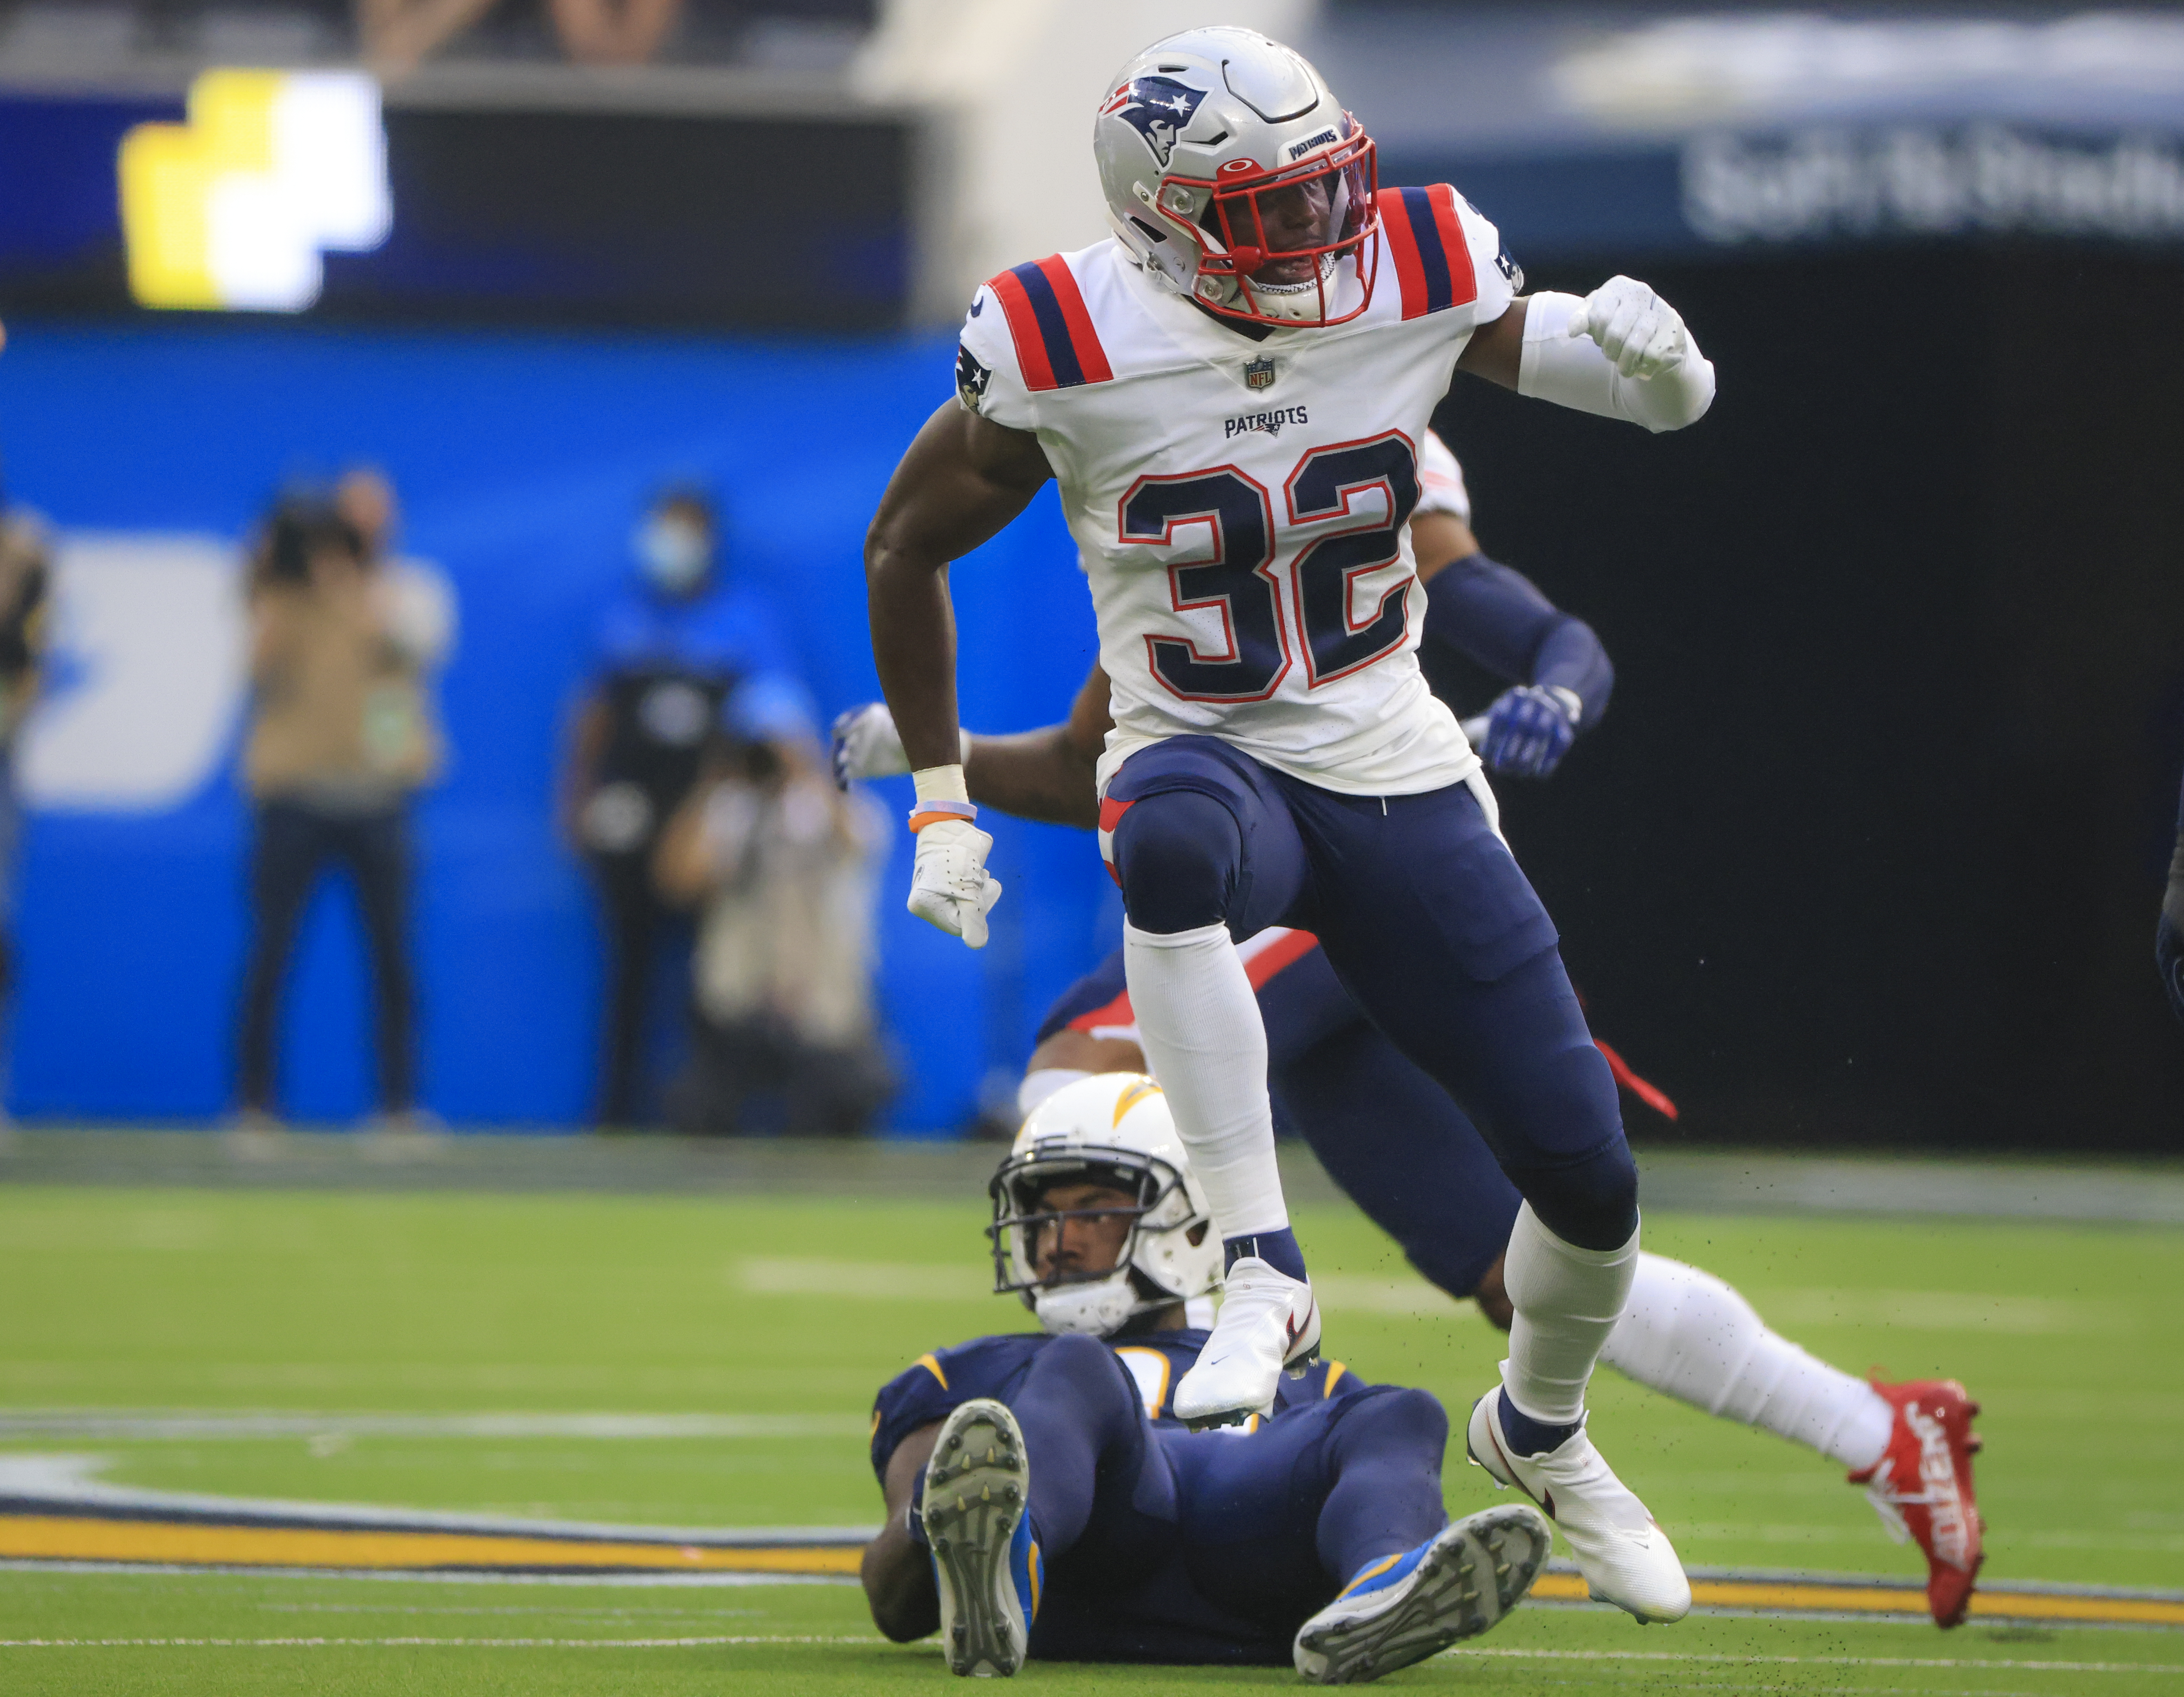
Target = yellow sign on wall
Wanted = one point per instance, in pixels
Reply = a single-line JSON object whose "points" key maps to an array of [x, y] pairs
{"points": [[234, 208]]}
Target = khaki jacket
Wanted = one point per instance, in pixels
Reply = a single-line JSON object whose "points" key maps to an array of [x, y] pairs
{"points": [[339, 705]]}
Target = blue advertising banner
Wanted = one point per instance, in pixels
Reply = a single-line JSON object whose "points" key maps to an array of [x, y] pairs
{"points": [[522, 462]]}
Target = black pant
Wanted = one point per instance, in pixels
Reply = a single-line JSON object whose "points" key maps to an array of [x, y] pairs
{"points": [[824, 1091], [294, 844], [638, 923]]}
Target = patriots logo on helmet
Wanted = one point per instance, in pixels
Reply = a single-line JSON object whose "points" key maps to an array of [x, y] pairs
{"points": [[1159, 109]]}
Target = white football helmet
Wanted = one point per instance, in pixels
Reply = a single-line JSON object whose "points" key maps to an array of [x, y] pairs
{"points": [[1233, 174], [1112, 1128]]}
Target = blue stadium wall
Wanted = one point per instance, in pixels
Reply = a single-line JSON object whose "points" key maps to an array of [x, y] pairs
{"points": [[522, 461]]}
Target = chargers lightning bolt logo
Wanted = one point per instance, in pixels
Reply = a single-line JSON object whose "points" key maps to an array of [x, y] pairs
{"points": [[1157, 107]]}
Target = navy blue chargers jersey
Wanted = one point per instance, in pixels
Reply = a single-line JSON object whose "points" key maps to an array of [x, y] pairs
{"points": [[931, 1387]]}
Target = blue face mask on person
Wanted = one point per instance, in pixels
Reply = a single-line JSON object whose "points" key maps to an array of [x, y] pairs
{"points": [[673, 553]]}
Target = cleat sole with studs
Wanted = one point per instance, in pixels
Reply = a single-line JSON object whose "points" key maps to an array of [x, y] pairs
{"points": [[976, 1489], [1475, 1574]]}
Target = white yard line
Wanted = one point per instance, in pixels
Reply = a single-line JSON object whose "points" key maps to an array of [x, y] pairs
{"points": [[732, 1640], [178, 1425], [410, 1576], [1733, 1661], [425, 1642], [71, 1481]]}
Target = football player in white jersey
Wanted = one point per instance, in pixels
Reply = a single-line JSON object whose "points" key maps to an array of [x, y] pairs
{"points": [[1230, 393]]}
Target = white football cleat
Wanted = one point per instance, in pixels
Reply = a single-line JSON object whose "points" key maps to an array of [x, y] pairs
{"points": [[1626, 1558], [977, 1525], [1455, 1585], [1268, 1324]]}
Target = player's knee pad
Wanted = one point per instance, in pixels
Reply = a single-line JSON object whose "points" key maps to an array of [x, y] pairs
{"points": [[1392, 1418], [1177, 854], [1591, 1202]]}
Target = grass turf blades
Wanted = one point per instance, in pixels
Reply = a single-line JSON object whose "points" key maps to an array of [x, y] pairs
{"points": [[795, 1309]]}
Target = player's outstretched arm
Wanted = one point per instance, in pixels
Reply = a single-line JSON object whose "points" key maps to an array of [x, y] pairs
{"points": [[1048, 774], [963, 478], [1622, 352]]}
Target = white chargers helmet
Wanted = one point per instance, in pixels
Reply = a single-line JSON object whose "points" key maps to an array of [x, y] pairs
{"points": [[1233, 174], [1112, 1128]]}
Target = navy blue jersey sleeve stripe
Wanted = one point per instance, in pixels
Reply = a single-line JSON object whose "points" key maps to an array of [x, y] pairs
{"points": [[1441, 290], [1053, 328]]}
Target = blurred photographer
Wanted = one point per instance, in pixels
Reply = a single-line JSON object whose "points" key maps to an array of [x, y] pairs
{"points": [[342, 735], [781, 867], [670, 649], [26, 575]]}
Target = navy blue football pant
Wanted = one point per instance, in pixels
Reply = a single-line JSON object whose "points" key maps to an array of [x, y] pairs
{"points": [[1428, 925], [1387, 1134], [1164, 1545]]}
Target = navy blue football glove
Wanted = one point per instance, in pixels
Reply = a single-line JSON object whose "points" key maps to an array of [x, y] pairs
{"points": [[2168, 956], [1528, 730]]}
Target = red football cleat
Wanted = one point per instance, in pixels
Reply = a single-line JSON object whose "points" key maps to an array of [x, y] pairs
{"points": [[1922, 1488]]}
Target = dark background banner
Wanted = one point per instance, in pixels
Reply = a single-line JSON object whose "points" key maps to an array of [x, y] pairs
{"points": [[1870, 845], [584, 217]]}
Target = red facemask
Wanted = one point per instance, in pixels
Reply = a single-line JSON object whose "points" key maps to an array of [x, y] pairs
{"points": [[1291, 230]]}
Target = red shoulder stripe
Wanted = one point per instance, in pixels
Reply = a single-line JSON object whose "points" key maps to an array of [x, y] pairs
{"points": [[1425, 239], [1463, 280], [1084, 339], [1403, 250], [1023, 329], [1057, 346]]}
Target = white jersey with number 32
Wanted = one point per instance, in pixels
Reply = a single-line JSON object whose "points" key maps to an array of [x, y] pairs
{"points": [[1241, 505]]}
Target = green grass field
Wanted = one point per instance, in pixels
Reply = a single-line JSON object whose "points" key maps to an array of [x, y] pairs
{"points": [[783, 1306]]}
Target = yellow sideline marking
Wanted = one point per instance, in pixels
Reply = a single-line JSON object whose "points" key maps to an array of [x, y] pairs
{"points": [[67, 1538], [1875, 1599]]}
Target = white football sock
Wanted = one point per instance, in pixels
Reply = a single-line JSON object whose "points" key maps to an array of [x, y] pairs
{"points": [[1567, 1301], [1199, 1024], [1686, 1333], [1041, 1082]]}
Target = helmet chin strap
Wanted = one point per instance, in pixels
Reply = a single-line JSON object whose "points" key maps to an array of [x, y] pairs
{"points": [[1297, 302], [1101, 1309]]}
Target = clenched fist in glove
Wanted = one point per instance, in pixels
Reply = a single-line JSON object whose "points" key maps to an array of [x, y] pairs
{"points": [[1640, 333], [867, 745], [949, 887], [1528, 730]]}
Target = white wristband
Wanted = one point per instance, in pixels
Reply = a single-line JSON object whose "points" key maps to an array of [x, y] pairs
{"points": [[941, 792]]}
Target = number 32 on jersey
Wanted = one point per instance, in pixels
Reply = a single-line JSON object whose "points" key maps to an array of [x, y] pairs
{"points": [[1241, 582]]}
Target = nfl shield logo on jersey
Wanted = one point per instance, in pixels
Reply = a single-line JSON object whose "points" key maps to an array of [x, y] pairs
{"points": [[1259, 374]]}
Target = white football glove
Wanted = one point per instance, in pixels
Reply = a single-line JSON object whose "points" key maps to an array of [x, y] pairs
{"points": [[949, 887], [1640, 333], [867, 745]]}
